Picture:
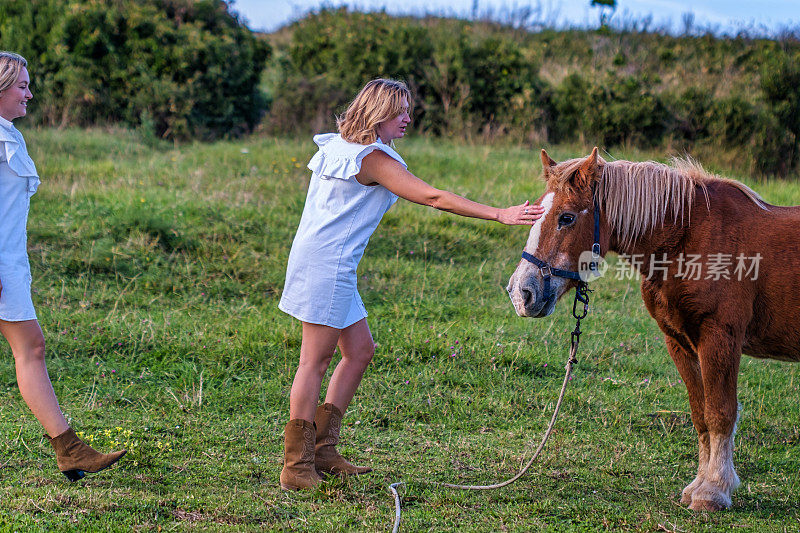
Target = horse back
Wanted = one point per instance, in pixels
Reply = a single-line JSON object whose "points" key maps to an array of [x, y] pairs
{"points": [[749, 283]]}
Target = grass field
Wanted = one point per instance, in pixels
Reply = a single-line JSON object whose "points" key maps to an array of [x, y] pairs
{"points": [[156, 278]]}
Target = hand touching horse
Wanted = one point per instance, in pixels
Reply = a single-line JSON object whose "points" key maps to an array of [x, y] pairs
{"points": [[671, 216]]}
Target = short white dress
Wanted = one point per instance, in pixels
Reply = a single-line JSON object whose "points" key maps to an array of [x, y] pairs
{"points": [[338, 219], [18, 182]]}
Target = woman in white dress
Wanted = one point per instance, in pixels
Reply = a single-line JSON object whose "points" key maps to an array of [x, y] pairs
{"points": [[18, 182], [356, 177]]}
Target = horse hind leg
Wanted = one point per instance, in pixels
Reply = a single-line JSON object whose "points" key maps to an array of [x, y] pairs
{"points": [[688, 366], [719, 363]]}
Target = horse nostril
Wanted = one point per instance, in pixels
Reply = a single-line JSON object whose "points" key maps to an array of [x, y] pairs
{"points": [[528, 297], [528, 290]]}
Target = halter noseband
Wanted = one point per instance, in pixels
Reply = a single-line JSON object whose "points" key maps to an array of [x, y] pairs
{"points": [[581, 293]]}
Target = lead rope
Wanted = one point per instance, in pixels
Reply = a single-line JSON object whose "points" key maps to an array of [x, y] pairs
{"points": [[581, 295]]}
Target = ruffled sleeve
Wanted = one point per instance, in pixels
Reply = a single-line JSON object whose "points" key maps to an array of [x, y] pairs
{"points": [[340, 159], [15, 153]]}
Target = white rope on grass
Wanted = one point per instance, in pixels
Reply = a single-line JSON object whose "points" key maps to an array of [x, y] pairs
{"points": [[567, 375], [397, 511]]}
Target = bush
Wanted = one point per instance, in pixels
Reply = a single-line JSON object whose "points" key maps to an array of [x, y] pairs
{"points": [[780, 83], [306, 104], [691, 113], [610, 111], [569, 104], [355, 48], [332, 55], [733, 121], [188, 67], [773, 146], [733, 98], [462, 82], [625, 109]]}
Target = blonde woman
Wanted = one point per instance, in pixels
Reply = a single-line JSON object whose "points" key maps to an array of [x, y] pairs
{"points": [[356, 177], [18, 182]]}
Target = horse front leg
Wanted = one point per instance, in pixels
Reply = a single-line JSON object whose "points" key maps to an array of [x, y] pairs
{"points": [[719, 355], [688, 365]]}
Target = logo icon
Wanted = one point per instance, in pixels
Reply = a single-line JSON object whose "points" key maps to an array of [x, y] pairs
{"points": [[591, 266]]}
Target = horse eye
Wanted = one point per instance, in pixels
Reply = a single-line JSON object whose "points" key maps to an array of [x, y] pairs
{"points": [[565, 219]]}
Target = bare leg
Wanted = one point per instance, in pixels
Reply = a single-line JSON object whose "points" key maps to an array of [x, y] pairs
{"points": [[316, 351], [27, 345], [357, 348], [689, 367], [719, 360]]}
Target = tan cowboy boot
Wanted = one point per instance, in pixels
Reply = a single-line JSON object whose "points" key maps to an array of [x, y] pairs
{"points": [[75, 457], [298, 456], [327, 459]]}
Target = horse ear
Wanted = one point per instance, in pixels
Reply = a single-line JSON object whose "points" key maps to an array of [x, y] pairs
{"points": [[547, 162], [587, 173]]}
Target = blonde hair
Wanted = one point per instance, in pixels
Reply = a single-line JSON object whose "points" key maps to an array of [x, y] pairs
{"points": [[380, 100], [11, 66]]}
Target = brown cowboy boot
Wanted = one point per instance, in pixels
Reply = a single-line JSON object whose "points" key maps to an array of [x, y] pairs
{"points": [[75, 457], [327, 459], [298, 456]]}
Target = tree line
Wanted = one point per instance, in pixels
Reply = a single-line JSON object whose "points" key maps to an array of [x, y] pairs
{"points": [[735, 96], [190, 69]]}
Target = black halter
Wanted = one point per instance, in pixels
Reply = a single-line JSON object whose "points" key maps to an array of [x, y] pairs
{"points": [[582, 290]]}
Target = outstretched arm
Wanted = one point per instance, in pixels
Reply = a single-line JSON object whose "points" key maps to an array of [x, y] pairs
{"points": [[378, 167]]}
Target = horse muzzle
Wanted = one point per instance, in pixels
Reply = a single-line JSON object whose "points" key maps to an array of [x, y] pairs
{"points": [[529, 299]]}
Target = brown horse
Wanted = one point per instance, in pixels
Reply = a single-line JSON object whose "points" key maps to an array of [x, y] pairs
{"points": [[672, 218]]}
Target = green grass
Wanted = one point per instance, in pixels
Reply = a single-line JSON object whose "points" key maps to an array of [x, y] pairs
{"points": [[156, 278]]}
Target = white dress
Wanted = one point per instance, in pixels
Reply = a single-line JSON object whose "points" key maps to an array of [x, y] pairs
{"points": [[338, 219], [18, 182]]}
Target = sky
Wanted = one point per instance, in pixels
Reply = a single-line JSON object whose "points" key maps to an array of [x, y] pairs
{"points": [[722, 15]]}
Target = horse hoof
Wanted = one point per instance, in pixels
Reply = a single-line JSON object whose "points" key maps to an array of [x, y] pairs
{"points": [[690, 489], [706, 505]]}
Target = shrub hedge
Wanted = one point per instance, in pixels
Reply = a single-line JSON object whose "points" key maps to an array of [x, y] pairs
{"points": [[185, 68], [461, 83], [482, 79], [190, 69]]}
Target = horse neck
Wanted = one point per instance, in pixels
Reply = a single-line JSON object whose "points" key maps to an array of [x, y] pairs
{"points": [[664, 239], [649, 206]]}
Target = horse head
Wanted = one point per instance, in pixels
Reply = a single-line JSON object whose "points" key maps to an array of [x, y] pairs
{"points": [[565, 231]]}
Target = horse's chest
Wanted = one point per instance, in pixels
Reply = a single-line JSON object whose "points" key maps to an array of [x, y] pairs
{"points": [[674, 314]]}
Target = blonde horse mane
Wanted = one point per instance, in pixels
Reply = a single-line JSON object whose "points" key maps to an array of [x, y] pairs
{"points": [[638, 196]]}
